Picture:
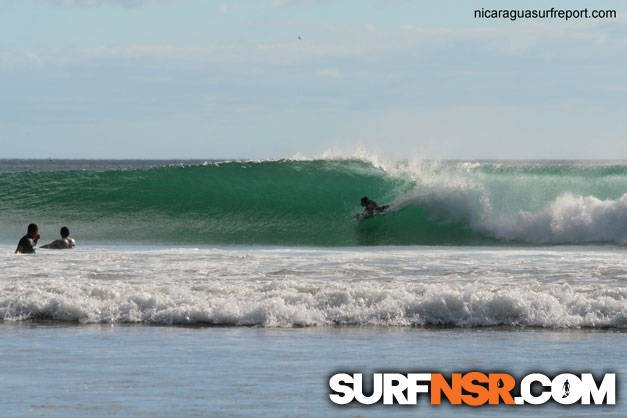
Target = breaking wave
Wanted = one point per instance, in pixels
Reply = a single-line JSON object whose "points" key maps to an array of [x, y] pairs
{"points": [[291, 303], [312, 202]]}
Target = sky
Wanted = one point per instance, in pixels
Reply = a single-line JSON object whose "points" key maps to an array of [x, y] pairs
{"points": [[281, 78]]}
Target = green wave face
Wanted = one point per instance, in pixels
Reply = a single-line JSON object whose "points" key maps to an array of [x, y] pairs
{"points": [[309, 203]]}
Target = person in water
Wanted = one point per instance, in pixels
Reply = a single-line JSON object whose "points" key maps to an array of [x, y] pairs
{"points": [[63, 243], [27, 242], [371, 207]]}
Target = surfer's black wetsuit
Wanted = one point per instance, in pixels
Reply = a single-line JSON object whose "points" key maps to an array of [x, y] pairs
{"points": [[26, 245], [371, 206]]}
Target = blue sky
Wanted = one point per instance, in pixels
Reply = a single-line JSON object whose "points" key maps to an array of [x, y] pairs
{"points": [[219, 79]]}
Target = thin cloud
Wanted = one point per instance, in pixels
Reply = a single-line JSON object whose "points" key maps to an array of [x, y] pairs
{"points": [[92, 3], [283, 3], [329, 73], [15, 59], [345, 41]]}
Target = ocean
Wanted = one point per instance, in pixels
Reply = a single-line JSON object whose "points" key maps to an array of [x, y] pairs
{"points": [[239, 287], [311, 202]]}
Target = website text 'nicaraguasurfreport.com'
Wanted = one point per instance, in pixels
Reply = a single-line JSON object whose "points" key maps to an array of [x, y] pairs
{"points": [[552, 13]]}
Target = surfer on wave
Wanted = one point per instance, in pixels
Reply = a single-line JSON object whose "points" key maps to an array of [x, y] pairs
{"points": [[371, 207]]}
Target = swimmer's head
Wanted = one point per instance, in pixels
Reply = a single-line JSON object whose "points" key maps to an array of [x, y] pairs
{"points": [[364, 201], [32, 230], [65, 232]]}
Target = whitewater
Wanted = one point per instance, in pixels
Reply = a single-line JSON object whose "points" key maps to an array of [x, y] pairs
{"points": [[553, 288]]}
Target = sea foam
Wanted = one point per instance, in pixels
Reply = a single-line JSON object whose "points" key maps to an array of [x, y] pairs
{"points": [[292, 303], [287, 288]]}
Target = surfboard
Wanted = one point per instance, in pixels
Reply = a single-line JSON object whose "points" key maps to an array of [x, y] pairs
{"points": [[365, 215]]}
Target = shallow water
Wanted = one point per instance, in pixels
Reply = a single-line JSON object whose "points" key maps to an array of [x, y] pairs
{"points": [[57, 370]]}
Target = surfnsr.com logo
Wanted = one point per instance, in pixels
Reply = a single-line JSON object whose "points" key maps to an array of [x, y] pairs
{"points": [[473, 388]]}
